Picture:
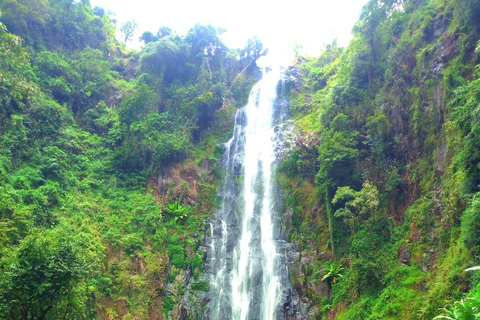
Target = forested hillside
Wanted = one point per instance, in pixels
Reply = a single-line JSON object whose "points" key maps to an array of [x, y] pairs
{"points": [[382, 191], [86, 128], [109, 163]]}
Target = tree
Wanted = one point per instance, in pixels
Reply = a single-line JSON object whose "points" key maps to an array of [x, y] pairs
{"points": [[137, 106], [334, 272], [99, 11], [161, 55], [25, 18], [147, 37], [81, 84], [128, 30], [253, 49], [204, 41], [163, 32], [16, 87], [358, 205], [38, 276]]}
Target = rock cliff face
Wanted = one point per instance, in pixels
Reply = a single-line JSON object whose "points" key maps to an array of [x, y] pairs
{"points": [[182, 181], [191, 297], [298, 303], [187, 289]]}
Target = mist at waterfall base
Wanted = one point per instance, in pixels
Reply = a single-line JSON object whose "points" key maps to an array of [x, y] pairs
{"points": [[249, 276]]}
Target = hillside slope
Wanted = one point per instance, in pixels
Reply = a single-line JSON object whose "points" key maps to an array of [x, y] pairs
{"points": [[382, 187], [107, 159]]}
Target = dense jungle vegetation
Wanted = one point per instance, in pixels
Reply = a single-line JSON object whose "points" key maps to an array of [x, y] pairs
{"points": [[84, 125], [383, 189]]}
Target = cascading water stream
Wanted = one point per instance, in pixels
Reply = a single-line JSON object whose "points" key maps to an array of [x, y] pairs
{"points": [[245, 263]]}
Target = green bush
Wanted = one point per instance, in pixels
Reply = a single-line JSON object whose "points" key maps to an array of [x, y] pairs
{"points": [[200, 286], [168, 304], [471, 227]]}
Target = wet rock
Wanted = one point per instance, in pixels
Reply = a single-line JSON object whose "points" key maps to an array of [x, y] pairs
{"points": [[292, 253], [294, 307], [437, 65], [285, 139]]}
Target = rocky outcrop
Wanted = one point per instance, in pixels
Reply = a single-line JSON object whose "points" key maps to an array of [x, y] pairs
{"points": [[182, 182]]}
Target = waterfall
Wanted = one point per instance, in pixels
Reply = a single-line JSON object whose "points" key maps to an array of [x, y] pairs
{"points": [[248, 272]]}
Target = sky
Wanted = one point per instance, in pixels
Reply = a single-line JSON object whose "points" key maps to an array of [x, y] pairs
{"points": [[279, 24]]}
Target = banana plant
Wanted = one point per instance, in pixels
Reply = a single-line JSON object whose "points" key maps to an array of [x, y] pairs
{"points": [[177, 211], [333, 272], [465, 309]]}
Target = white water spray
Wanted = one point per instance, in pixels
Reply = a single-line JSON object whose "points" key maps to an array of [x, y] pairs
{"points": [[246, 277], [258, 160]]}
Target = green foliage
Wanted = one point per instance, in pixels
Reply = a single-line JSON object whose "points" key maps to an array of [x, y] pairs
{"points": [[296, 218], [177, 211], [16, 87], [359, 206], [148, 36], [159, 56], [390, 132], [471, 227], [197, 262], [333, 272], [401, 296], [41, 272], [467, 115], [337, 154], [80, 80], [201, 286], [168, 304], [57, 24], [83, 133], [387, 178], [204, 40], [137, 106], [128, 30], [465, 309], [176, 251]]}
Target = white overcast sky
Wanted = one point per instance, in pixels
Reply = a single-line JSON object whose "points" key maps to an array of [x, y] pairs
{"points": [[278, 23]]}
